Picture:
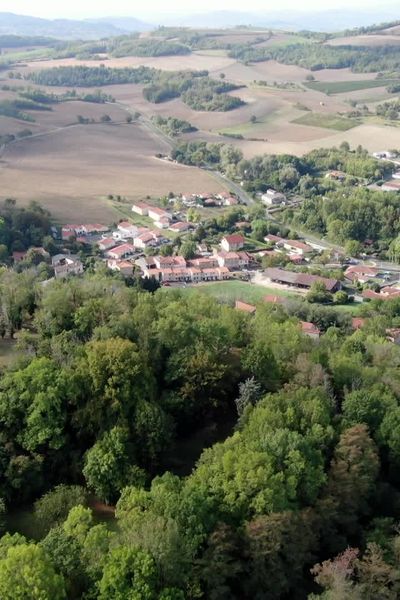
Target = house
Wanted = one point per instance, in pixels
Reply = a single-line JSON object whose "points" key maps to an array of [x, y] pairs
{"points": [[233, 242], [273, 239], [391, 186], [93, 228], [106, 243], [386, 293], [18, 256], [336, 175], [310, 329], [273, 198], [297, 247], [361, 273], [156, 214], [146, 239], [393, 335], [357, 323], [127, 230], [245, 307], [141, 208], [300, 280], [203, 250], [233, 260], [231, 201], [180, 227], [384, 154], [165, 262], [162, 223], [66, 264], [123, 266], [121, 251], [205, 262], [75, 230]]}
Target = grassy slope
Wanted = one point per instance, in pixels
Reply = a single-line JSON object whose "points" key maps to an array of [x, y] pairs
{"points": [[327, 121], [339, 87]]}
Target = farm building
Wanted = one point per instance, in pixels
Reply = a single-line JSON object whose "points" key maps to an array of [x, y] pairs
{"points": [[273, 198], [233, 242], [300, 280]]}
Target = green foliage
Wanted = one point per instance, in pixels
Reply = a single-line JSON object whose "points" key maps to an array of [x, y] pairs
{"points": [[360, 59], [173, 126], [27, 573], [129, 574], [52, 508], [108, 468]]}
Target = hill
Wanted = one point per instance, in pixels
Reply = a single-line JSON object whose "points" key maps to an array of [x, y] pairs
{"points": [[11, 23]]}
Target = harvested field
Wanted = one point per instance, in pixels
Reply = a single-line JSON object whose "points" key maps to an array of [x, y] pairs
{"points": [[373, 137], [196, 61], [365, 40], [72, 171]]}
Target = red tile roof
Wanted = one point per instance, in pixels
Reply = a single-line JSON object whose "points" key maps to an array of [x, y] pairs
{"points": [[250, 308]]}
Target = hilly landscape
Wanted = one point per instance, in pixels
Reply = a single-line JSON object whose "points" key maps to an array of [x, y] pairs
{"points": [[200, 306]]}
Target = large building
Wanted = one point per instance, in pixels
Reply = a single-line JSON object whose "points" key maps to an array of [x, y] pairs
{"points": [[300, 280]]}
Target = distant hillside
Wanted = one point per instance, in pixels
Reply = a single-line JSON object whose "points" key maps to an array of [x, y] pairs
{"points": [[11, 23], [323, 20], [123, 23]]}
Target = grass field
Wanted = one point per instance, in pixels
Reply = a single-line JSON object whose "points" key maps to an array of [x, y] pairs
{"points": [[326, 121], [340, 87], [230, 291]]}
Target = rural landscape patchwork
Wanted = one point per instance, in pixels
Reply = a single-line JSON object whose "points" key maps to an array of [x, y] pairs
{"points": [[199, 309]]}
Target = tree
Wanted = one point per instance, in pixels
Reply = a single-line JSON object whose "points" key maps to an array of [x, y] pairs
{"points": [[250, 392], [318, 293], [108, 465], [278, 547], [105, 118], [353, 248], [129, 574], [53, 507], [188, 250], [253, 119], [340, 297], [220, 568], [26, 572]]}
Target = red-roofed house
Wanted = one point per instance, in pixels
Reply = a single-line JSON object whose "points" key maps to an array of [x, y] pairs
{"points": [[141, 208], [233, 242], [180, 227], [245, 307], [357, 323], [156, 214], [123, 266], [310, 329], [107, 243], [121, 251], [297, 247], [361, 273]]}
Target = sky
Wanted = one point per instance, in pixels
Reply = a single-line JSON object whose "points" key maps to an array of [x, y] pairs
{"points": [[96, 8]]}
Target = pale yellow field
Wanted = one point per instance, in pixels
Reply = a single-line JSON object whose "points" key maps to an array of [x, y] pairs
{"points": [[72, 171], [365, 40]]}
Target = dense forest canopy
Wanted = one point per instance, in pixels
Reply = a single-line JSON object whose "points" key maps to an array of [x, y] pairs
{"points": [[360, 59], [113, 379]]}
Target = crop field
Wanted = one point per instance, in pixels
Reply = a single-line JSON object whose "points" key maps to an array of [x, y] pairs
{"points": [[340, 87], [72, 171], [365, 40], [327, 121]]}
